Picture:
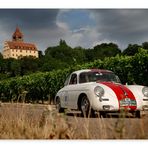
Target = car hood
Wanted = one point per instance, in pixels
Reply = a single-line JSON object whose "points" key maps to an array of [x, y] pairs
{"points": [[121, 91]]}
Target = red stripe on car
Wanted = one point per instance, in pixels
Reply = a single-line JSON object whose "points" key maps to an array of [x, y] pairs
{"points": [[121, 92]]}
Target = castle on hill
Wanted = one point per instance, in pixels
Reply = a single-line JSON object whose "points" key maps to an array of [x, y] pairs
{"points": [[17, 48]]}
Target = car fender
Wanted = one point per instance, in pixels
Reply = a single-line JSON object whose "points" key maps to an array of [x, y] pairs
{"points": [[137, 91]]}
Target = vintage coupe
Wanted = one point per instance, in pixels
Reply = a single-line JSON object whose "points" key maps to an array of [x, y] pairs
{"points": [[92, 90]]}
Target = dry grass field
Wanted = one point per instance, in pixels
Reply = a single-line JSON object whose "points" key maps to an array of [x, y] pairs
{"points": [[35, 121]]}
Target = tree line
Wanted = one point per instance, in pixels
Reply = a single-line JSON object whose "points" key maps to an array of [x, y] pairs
{"points": [[62, 56]]}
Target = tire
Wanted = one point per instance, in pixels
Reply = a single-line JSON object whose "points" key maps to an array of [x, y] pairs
{"points": [[85, 107], [102, 114], [58, 106], [137, 114]]}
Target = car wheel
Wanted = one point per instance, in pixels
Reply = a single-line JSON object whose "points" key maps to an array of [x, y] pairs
{"points": [[58, 106], [102, 114], [85, 107], [137, 114]]}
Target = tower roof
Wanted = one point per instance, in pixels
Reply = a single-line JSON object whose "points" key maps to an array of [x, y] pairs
{"points": [[17, 33]]}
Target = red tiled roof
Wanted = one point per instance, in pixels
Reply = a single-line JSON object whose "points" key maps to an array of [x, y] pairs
{"points": [[21, 45], [17, 33]]}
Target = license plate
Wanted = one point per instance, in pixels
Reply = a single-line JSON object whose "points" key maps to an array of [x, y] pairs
{"points": [[127, 102]]}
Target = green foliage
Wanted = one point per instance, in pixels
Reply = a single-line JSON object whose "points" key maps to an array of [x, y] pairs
{"points": [[140, 67], [18, 67], [145, 45], [44, 85], [1, 56], [106, 50], [120, 65], [131, 49], [58, 57], [62, 56]]}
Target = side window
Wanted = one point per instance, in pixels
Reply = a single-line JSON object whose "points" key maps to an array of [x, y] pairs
{"points": [[73, 79], [67, 80], [82, 78]]}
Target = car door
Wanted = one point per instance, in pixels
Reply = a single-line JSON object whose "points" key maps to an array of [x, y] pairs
{"points": [[67, 94], [64, 93], [72, 92]]}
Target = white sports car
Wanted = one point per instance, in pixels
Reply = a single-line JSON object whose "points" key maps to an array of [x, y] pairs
{"points": [[99, 90]]}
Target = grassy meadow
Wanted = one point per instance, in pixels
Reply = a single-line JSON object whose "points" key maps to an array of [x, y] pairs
{"points": [[36, 121]]}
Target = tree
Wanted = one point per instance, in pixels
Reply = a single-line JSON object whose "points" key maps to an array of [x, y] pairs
{"points": [[131, 49], [145, 45], [40, 54], [1, 63], [106, 50], [90, 55], [63, 43], [1, 56], [15, 68], [28, 65], [79, 55], [63, 56]]}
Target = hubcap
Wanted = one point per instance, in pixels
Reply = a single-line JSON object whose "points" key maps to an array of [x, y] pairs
{"points": [[84, 105]]}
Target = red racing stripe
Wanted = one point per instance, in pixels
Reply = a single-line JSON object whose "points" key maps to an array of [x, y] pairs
{"points": [[121, 92]]}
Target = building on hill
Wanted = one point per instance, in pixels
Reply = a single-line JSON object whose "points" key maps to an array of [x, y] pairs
{"points": [[17, 48]]}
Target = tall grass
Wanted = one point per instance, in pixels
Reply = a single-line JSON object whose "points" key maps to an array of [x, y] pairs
{"points": [[27, 121]]}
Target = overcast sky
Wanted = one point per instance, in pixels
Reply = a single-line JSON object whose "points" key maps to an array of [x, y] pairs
{"points": [[78, 27]]}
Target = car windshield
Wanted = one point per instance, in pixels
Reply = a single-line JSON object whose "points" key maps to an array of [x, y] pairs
{"points": [[98, 77]]}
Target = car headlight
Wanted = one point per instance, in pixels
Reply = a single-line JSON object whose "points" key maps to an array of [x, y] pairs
{"points": [[145, 91], [99, 91]]}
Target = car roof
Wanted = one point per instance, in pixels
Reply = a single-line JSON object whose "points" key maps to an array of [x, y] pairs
{"points": [[93, 70]]}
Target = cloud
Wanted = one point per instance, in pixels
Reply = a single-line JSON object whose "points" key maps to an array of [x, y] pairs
{"points": [[75, 35], [123, 26], [79, 27], [29, 18], [80, 30], [84, 37], [38, 25]]}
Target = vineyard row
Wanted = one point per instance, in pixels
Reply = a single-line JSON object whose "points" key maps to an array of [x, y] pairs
{"points": [[43, 86]]}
